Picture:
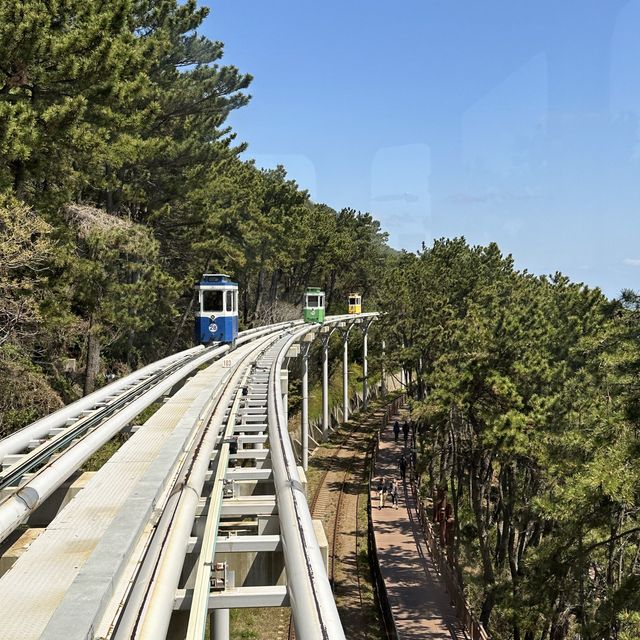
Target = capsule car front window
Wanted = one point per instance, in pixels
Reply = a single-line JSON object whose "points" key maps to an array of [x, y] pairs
{"points": [[312, 301], [212, 301]]}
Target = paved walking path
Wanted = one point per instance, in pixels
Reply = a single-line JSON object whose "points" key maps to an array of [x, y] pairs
{"points": [[418, 598]]}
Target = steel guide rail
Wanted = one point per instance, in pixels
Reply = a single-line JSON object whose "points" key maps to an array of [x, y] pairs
{"points": [[199, 607], [20, 440], [314, 610], [315, 613], [101, 399], [43, 452]]}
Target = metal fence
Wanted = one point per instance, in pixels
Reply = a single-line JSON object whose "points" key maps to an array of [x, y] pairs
{"points": [[378, 581]]}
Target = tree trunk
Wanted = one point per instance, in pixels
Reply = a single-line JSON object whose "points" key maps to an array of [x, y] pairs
{"points": [[259, 290], [185, 315], [330, 289], [273, 293], [479, 468], [93, 359]]}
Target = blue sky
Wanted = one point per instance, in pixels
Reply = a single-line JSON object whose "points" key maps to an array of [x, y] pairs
{"points": [[501, 121]]}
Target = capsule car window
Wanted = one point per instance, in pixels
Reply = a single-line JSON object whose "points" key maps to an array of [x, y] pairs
{"points": [[313, 301], [212, 300], [230, 301]]}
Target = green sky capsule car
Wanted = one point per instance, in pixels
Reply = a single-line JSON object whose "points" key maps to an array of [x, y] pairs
{"points": [[313, 305]]}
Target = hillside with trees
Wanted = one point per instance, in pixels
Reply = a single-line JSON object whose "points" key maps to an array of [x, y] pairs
{"points": [[528, 408], [121, 182]]}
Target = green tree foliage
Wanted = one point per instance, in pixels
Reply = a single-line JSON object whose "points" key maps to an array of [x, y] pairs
{"points": [[67, 69], [529, 427], [118, 288], [113, 129], [25, 247]]}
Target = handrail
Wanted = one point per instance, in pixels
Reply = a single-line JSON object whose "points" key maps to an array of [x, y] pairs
{"points": [[315, 614], [314, 610]]}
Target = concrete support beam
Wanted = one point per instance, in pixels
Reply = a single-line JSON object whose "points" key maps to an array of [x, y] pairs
{"points": [[248, 544], [250, 454], [249, 473], [248, 506], [11, 555]]}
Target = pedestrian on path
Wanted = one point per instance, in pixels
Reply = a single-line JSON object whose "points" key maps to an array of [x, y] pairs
{"points": [[403, 468], [386, 491], [405, 432], [394, 494], [384, 487], [396, 430], [378, 488]]}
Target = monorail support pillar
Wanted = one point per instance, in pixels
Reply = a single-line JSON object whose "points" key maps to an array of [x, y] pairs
{"points": [[304, 427], [220, 624], [345, 373], [365, 365], [325, 383], [383, 386], [345, 377]]}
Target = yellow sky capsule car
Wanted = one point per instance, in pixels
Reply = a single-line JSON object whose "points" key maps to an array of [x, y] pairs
{"points": [[355, 303]]}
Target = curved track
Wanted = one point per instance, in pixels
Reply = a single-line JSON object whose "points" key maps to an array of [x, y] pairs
{"points": [[145, 563]]}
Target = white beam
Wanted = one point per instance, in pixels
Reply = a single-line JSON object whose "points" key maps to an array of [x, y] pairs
{"points": [[237, 598]]}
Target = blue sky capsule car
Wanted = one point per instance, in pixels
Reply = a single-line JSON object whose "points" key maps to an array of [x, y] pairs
{"points": [[217, 317]]}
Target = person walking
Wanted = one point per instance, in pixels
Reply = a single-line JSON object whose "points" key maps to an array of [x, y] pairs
{"points": [[378, 489], [382, 492], [394, 494], [405, 432], [386, 490], [396, 430], [403, 468]]}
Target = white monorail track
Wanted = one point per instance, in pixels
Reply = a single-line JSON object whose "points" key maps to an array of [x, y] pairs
{"points": [[126, 582], [76, 432]]}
